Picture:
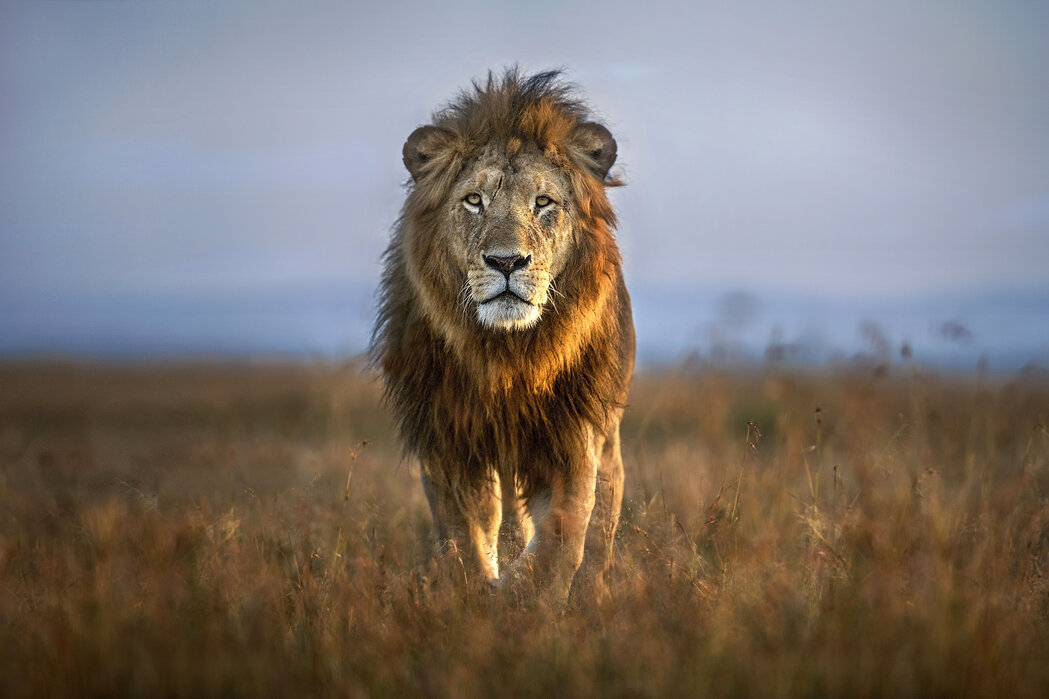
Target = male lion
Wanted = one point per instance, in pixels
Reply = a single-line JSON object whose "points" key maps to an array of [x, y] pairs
{"points": [[505, 333]]}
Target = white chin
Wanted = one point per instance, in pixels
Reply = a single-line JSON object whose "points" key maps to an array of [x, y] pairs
{"points": [[508, 313]]}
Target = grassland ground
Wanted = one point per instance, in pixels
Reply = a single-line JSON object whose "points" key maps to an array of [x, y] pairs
{"points": [[251, 530]]}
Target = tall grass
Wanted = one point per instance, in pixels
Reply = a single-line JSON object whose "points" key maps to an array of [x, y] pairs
{"points": [[252, 531]]}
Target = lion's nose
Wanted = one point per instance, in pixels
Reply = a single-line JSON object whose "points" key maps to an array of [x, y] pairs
{"points": [[507, 264]]}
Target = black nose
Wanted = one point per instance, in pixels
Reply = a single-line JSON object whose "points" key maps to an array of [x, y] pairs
{"points": [[507, 264]]}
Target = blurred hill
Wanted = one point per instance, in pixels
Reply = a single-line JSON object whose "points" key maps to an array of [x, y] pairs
{"points": [[1004, 331]]}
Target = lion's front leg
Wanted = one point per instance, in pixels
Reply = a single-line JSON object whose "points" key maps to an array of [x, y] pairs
{"points": [[466, 519], [590, 580], [560, 513]]}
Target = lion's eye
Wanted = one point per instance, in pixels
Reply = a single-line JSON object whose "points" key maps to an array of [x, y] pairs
{"points": [[473, 199], [543, 201]]}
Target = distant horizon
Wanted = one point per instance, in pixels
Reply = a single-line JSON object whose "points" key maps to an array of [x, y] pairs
{"points": [[1005, 329]]}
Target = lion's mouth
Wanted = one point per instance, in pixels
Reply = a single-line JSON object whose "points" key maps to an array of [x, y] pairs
{"points": [[508, 310], [505, 294]]}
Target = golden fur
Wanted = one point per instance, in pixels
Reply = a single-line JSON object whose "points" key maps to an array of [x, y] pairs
{"points": [[504, 331]]}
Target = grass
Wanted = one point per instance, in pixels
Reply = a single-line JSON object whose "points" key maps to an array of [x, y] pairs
{"points": [[252, 531]]}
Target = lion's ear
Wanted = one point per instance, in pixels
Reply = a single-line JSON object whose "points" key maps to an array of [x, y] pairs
{"points": [[424, 145], [593, 147]]}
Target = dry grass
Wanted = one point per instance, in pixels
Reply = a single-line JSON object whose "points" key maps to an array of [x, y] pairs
{"points": [[201, 531]]}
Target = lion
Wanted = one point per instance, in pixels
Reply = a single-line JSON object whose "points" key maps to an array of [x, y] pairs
{"points": [[505, 333]]}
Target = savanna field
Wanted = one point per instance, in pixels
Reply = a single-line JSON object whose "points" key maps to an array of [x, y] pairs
{"points": [[251, 530]]}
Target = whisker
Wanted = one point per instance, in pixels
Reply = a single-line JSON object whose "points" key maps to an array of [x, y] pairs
{"points": [[465, 296], [554, 293]]}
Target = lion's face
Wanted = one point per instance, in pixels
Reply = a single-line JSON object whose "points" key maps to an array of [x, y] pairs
{"points": [[508, 216], [511, 223]]}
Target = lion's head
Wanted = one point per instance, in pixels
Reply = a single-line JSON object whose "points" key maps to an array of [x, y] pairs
{"points": [[506, 180]]}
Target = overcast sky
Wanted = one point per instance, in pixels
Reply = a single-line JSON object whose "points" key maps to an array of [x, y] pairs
{"points": [[850, 150]]}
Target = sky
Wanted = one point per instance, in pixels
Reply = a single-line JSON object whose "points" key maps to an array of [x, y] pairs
{"points": [[222, 176]]}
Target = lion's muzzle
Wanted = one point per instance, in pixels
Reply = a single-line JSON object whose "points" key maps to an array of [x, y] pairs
{"points": [[508, 290]]}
